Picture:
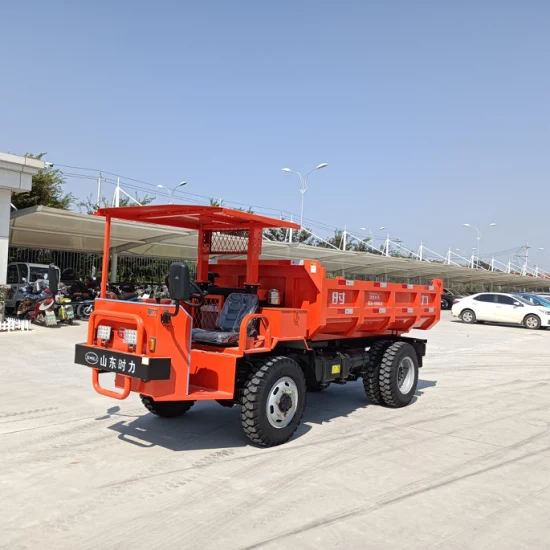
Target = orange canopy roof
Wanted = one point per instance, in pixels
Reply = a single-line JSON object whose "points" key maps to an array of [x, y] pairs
{"points": [[187, 216]]}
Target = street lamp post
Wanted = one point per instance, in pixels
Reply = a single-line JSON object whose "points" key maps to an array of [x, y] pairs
{"points": [[478, 237], [303, 185], [371, 233], [172, 191]]}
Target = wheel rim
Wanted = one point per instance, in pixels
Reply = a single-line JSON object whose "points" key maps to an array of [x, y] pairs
{"points": [[282, 402], [531, 322], [405, 375], [87, 311], [467, 316]]}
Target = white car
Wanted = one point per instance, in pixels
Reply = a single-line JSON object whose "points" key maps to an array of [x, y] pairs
{"points": [[497, 307]]}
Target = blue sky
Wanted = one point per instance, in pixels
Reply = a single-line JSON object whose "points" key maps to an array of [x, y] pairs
{"points": [[430, 114]]}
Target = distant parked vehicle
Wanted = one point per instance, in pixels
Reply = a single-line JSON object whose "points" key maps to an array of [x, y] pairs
{"points": [[498, 307], [535, 300], [448, 297], [21, 274]]}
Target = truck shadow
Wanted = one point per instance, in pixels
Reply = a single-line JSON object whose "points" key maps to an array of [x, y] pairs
{"points": [[210, 426]]}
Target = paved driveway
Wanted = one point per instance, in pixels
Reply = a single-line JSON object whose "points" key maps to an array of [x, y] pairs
{"points": [[467, 465]]}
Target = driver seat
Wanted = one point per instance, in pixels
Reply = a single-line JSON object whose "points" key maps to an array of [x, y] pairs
{"points": [[235, 308]]}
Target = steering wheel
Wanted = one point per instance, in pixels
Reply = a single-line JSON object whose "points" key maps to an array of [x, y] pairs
{"points": [[198, 292]]}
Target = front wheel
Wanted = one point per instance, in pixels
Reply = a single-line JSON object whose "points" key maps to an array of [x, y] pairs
{"points": [[468, 317], [532, 322], [398, 375], [166, 409], [85, 310], [273, 401]]}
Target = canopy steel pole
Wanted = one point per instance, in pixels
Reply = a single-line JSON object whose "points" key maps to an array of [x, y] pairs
{"points": [[105, 266]]}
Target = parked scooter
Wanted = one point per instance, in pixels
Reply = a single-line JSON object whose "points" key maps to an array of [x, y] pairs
{"points": [[45, 302], [38, 305]]}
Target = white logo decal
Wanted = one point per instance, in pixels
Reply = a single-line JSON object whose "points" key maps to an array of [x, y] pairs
{"points": [[91, 358]]}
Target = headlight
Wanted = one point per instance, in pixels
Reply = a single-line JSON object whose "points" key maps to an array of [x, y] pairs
{"points": [[104, 333], [130, 337]]}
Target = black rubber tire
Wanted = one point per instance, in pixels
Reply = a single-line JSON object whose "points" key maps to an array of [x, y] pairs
{"points": [[166, 409], [392, 395], [371, 373], [84, 311], [534, 317], [254, 420], [70, 321], [445, 304], [473, 318]]}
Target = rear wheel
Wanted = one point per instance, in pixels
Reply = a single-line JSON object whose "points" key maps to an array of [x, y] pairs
{"points": [[445, 304], [468, 316], [532, 322], [398, 375], [166, 409], [371, 373], [273, 401]]}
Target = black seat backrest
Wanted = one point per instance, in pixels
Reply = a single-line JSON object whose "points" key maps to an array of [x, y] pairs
{"points": [[234, 310]]}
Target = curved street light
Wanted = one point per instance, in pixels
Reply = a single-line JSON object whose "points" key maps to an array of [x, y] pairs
{"points": [[478, 237], [303, 185], [172, 191], [370, 232]]}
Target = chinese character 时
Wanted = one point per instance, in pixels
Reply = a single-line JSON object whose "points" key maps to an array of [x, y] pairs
{"points": [[122, 364]]}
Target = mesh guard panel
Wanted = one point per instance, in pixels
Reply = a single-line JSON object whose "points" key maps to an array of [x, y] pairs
{"points": [[228, 242], [205, 317]]}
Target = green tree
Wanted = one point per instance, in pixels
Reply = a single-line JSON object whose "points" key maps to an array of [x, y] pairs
{"points": [[337, 240], [47, 189], [90, 204], [302, 236]]}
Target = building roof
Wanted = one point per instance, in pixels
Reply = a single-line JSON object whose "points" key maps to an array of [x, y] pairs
{"points": [[42, 227]]}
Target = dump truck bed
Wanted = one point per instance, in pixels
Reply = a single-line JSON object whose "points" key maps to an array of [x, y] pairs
{"points": [[336, 307]]}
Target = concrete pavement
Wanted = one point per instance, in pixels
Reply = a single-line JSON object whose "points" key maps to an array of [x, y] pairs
{"points": [[467, 465]]}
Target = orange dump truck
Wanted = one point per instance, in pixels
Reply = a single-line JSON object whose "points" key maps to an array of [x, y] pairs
{"points": [[251, 332]]}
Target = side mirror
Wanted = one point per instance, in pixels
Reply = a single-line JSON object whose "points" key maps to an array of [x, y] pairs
{"points": [[53, 278], [518, 304], [178, 282]]}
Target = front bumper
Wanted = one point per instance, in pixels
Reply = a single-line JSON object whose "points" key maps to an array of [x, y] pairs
{"points": [[136, 366]]}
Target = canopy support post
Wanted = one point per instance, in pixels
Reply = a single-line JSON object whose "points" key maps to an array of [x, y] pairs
{"points": [[254, 252], [106, 249]]}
